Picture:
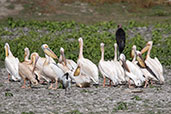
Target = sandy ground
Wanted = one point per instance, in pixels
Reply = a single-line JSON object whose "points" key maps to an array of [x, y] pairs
{"points": [[152, 100], [7, 8]]}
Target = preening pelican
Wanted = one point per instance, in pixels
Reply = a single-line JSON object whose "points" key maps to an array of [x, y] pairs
{"points": [[66, 64], [11, 64], [26, 71], [39, 64], [118, 67], [120, 38], [154, 64], [131, 71], [82, 80], [147, 72], [107, 69], [87, 67], [51, 70], [139, 73]]}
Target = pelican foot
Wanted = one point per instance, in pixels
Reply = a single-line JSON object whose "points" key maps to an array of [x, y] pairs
{"points": [[54, 88], [23, 86]]}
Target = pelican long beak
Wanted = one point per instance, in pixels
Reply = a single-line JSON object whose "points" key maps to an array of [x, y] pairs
{"points": [[132, 53], [145, 49], [35, 59], [25, 54], [125, 66], [141, 61], [77, 71], [6, 51], [50, 53]]}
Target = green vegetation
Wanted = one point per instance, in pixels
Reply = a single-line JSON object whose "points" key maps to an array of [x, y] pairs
{"points": [[74, 112], [121, 106], [8, 94], [30, 112], [66, 33], [137, 98]]}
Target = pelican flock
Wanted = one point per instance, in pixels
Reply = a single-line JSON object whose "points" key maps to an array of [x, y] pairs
{"points": [[136, 73]]}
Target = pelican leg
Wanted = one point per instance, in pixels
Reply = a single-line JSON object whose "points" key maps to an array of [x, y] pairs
{"points": [[151, 82], [110, 83], [51, 85], [29, 84], [24, 85], [56, 87], [104, 81], [146, 83], [129, 83], [8, 77]]}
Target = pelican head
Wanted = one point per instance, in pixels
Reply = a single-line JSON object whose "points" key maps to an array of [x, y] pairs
{"points": [[61, 50], [133, 51], [26, 52], [122, 57], [119, 26], [148, 45], [48, 51], [102, 46], [115, 44], [80, 40], [7, 48], [62, 56]]}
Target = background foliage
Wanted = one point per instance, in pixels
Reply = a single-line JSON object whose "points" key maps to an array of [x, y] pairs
{"points": [[66, 33]]}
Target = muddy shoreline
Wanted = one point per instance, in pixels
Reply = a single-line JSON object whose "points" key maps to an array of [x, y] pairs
{"points": [[96, 99]]}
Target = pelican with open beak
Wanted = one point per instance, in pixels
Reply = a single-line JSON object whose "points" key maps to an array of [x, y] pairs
{"points": [[51, 70], [154, 64]]}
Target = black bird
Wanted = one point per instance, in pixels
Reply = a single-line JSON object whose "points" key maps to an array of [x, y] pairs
{"points": [[120, 38], [66, 81]]}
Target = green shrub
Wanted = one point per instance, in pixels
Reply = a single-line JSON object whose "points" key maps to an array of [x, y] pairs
{"points": [[66, 34]]}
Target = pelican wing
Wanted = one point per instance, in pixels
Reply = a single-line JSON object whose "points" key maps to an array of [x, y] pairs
{"points": [[136, 73], [119, 70], [107, 71], [71, 64], [57, 70], [89, 69], [151, 64], [11, 64]]}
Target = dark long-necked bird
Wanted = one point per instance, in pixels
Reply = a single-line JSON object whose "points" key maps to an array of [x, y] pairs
{"points": [[120, 38]]}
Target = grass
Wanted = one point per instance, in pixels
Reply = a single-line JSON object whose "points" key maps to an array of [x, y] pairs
{"points": [[137, 98], [120, 106], [74, 112], [30, 112], [8, 94]]}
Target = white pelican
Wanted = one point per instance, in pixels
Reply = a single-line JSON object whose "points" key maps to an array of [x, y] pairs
{"points": [[87, 67], [11, 64], [139, 73], [147, 72], [82, 80], [118, 67], [26, 71], [66, 64], [106, 68], [131, 71], [39, 64], [153, 64], [51, 70]]}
